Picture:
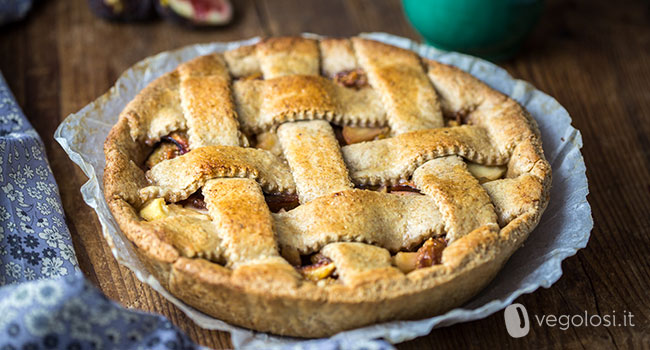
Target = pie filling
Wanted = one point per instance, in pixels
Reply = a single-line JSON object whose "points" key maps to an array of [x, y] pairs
{"points": [[429, 254], [403, 188], [348, 135], [353, 78], [281, 201], [456, 118], [195, 202], [313, 267], [316, 267], [170, 146]]}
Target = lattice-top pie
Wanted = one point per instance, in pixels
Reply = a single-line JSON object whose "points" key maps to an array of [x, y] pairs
{"points": [[304, 187]]}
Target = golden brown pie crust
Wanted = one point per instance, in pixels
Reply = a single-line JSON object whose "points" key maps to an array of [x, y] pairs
{"points": [[227, 262]]}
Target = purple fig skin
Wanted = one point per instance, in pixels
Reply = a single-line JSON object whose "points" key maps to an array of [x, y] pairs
{"points": [[166, 11], [122, 10]]}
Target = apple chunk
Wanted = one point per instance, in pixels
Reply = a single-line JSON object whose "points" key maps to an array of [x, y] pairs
{"points": [[485, 173], [406, 261], [154, 210]]}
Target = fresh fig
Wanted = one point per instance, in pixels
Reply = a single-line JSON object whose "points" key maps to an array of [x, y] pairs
{"points": [[196, 12], [122, 10]]}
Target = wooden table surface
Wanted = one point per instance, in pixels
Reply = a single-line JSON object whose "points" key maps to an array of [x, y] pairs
{"points": [[592, 56]]}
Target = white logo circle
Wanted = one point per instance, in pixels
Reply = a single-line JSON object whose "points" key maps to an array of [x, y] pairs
{"points": [[517, 322]]}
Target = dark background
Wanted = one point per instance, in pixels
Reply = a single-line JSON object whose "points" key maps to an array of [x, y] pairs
{"points": [[592, 56]]}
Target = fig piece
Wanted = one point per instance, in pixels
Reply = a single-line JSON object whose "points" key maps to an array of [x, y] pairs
{"points": [[122, 10], [431, 252], [164, 151], [170, 146], [196, 12], [355, 134], [180, 140], [404, 188], [355, 78], [195, 202], [281, 201]]}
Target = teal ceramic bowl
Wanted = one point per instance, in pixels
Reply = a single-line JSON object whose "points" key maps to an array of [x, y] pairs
{"points": [[492, 29]]}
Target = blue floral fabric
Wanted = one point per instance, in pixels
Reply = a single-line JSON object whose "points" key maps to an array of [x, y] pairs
{"points": [[69, 313], [45, 301], [34, 240], [13, 10]]}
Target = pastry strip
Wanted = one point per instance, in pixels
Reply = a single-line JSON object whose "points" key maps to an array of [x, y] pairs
{"points": [[388, 160], [314, 156], [207, 103], [369, 163], [358, 262], [515, 196], [156, 111], [242, 61], [288, 56], [462, 201], [265, 104], [391, 221], [400, 80], [243, 220], [502, 117], [337, 55], [192, 233], [177, 178]]}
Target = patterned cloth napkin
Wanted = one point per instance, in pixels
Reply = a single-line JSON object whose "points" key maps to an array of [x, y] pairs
{"points": [[13, 10], [45, 301]]}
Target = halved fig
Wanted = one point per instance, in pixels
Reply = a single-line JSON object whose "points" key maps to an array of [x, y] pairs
{"points": [[456, 118], [122, 10], [319, 258], [355, 134], [485, 173], [451, 123], [196, 12]]}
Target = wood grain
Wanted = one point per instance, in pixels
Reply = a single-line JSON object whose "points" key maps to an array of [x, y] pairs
{"points": [[592, 56]]}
